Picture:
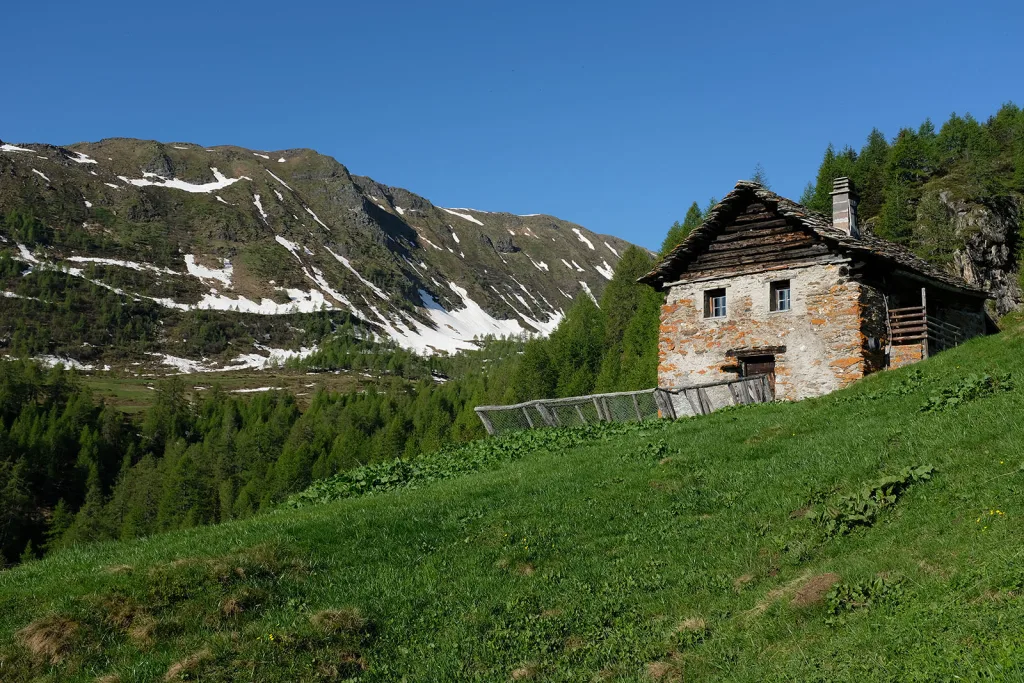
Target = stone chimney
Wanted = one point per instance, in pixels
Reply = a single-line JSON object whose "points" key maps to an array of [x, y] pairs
{"points": [[844, 207]]}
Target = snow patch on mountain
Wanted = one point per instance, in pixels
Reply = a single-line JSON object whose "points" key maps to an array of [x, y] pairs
{"points": [[204, 273], [310, 212], [605, 270], [220, 183], [612, 249], [278, 179], [289, 245], [345, 262], [256, 202], [465, 216], [53, 361], [41, 175], [133, 265], [539, 265], [583, 239], [454, 330]]}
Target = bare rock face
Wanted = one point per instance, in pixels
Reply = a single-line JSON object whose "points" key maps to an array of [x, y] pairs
{"points": [[988, 259]]}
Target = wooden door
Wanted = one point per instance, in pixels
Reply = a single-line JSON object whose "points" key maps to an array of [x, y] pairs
{"points": [[760, 365]]}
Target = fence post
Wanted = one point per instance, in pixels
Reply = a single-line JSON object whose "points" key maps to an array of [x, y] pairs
{"points": [[636, 407], [579, 411], [529, 420], [600, 413], [482, 414], [664, 401], [705, 402], [546, 414]]}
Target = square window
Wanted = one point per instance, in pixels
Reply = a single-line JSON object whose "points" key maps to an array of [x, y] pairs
{"points": [[781, 297], [714, 303]]}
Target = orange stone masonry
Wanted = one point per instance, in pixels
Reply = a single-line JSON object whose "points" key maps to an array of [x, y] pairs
{"points": [[822, 333]]}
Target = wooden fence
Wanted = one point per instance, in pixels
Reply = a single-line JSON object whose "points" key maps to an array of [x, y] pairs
{"points": [[625, 406], [912, 324]]}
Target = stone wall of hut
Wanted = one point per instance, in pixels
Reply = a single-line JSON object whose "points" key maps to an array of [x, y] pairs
{"points": [[823, 333]]}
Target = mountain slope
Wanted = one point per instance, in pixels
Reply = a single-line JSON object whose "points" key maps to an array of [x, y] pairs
{"points": [[177, 228], [681, 551]]}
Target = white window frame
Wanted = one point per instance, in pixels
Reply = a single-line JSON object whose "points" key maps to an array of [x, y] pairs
{"points": [[712, 310], [775, 296]]}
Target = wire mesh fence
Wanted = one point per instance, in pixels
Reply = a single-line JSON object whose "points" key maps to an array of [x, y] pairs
{"points": [[625, 406]]}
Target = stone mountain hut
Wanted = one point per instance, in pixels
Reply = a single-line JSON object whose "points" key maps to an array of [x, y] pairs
{"points": [[766, 286]]}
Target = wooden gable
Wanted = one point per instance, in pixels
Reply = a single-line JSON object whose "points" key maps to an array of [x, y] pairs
{"points": [[754, 238]]}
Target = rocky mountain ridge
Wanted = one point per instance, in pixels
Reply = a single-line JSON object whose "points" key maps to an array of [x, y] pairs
{"points": [[255, 235]]}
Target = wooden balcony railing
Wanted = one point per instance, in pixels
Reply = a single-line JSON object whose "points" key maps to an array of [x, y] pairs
{"points": [[912, 324]]}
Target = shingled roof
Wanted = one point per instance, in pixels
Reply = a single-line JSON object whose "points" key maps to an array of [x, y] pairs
{"points": [[866, 246]]}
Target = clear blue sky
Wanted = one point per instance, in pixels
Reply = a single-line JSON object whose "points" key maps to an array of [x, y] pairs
{"points": [[613, 115]]}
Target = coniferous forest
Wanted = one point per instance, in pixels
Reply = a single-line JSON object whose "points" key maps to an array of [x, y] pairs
{"points": [[74, 470]]}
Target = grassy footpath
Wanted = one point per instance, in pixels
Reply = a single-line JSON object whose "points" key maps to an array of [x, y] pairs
{"points": [[747, 546]]}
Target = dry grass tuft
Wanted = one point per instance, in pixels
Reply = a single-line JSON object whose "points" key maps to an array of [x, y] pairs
{"points": [[740, 581], [800, 513], [119, 569], [525, 672], [231, 606], [814, 590], [573, 643], [188, 665], [525, 569], [109, 678], [774, 595], [657, 671], [337, 621], [50, 638], [143, 630], [692, 624]]}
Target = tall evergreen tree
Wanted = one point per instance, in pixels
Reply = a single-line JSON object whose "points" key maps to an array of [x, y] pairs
{"points": [[679, 231], [576, 348], [760, 177], [869, 173], [623, 298], [832, 166]]}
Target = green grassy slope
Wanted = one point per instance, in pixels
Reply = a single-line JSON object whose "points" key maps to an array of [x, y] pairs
{"points": [[672, 553]]}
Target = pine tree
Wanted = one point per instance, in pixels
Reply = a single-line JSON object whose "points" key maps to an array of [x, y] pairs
{"points": [[869, 174], [28, 554], [535, 374], [760, 177], [576, 348], [679, 231], [807, 196], [15, 509], [90, 523], [620, 302], [60, 521], [832, 166], [906, 170]]}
